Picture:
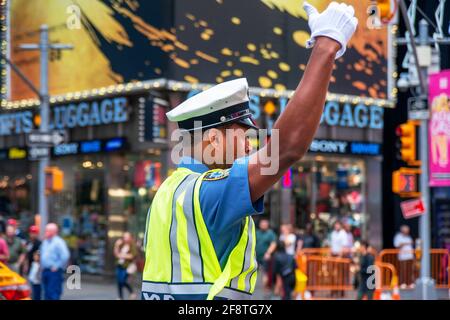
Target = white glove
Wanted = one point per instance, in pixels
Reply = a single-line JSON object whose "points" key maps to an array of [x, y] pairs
{"points": [[337, 22]]}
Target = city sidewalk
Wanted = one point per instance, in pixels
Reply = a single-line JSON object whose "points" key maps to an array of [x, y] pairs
{"points": [[105, 288], [99, 288]]}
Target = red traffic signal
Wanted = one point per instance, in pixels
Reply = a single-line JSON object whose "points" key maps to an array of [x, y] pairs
{"points": [[407, 133]]}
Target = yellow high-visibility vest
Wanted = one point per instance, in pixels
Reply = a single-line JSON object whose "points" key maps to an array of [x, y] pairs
{"points": [[180, 259]]}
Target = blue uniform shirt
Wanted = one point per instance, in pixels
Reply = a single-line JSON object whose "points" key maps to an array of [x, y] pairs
{"points": [[224, 202]]}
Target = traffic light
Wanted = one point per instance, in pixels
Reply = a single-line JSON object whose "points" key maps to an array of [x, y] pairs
{"points": [[405, 182], [54, 179], [407, 143], [386, 9]]}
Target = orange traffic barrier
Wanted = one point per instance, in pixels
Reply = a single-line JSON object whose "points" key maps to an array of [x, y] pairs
{"points": [[316, 252], [440, 269], [387, 276], [326, 274], [409, 270], [386, 280]]}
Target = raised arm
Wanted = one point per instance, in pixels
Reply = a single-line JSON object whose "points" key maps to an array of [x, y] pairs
{"points": [[297, 125]]}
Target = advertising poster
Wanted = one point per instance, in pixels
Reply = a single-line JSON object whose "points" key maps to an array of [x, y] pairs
{"points": [[439, 129], [202, 41]]}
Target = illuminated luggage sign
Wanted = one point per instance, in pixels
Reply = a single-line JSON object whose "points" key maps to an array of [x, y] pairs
{"points": [[94, 113], [334, 114], [85, 114], [360, 116]]}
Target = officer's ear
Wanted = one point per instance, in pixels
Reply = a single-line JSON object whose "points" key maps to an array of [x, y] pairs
{"points": [[214, 137]]}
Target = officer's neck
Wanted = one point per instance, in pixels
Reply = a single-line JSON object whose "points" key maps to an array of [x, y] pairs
{"points": [[212, 166], [206, 157]]}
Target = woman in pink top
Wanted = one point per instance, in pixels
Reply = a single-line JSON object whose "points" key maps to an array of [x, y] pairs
{"points": [[4, 252]]}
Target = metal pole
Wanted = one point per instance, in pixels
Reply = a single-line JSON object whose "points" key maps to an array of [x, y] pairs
{"points": [[44, 47], [425, 283], [422, 80], [44, 112]]}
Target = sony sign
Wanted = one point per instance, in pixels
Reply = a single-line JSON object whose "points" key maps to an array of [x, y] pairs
{"points": [[346, 147], [328, 146]]}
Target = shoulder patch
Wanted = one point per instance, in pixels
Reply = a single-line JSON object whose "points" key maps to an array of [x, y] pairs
{"points": [[216, 175]]}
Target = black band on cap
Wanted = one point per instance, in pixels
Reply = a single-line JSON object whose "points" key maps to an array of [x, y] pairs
{"points": [[217, 118]]}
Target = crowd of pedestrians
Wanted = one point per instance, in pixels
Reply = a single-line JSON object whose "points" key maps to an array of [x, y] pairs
{"points": [[42, 263], [277, 254]]}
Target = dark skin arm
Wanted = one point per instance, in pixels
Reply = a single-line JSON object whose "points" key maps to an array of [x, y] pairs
{"points": [[298, 123]]}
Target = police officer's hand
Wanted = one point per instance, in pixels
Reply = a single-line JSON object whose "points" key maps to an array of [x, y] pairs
{"points": [[337, 22]]}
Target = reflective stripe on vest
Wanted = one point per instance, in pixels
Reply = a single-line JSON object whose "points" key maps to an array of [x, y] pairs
{"points": [[190, 289], [243, 280], [183, 214], [179, 252]]}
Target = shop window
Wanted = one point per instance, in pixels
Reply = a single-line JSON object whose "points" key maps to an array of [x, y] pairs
{"points": [[90, 225], [329, 189]]}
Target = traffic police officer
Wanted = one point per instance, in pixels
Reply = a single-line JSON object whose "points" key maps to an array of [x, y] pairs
{"points": [[200, 237]]}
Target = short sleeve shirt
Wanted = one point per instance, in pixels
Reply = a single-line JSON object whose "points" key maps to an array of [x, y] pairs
{"points": [[263, 241], [225, 201]]}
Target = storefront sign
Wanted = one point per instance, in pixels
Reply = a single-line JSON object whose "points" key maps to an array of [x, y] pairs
{"points": [[84, 114], [66, 149], [334, 114], [439, 129], [114, 144], [16, 123], [155, 128], [359, 116], [345, 147], [328, 146], [17, 153], [90, 146], [13, 154]]}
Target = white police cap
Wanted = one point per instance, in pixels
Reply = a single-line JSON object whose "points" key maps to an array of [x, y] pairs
{"points": [[224, 103]]}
